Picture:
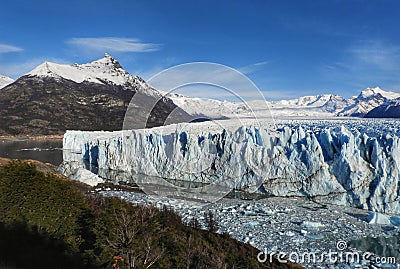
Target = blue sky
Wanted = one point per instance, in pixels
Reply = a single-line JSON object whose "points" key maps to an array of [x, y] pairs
{"points": [[288, 48]]}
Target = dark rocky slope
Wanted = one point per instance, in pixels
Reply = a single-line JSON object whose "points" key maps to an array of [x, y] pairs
{"points": [[45, 106]]}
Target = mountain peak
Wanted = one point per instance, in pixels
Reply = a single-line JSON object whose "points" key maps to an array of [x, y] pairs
{"points": [[107, 60], [105, 71], [4, 81], [102, 71], [369, 92], [372, 91]]}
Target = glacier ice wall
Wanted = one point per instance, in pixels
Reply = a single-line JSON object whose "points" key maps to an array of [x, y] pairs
{"points": [[334, 165]]}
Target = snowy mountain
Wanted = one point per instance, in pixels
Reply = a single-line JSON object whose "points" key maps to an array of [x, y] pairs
{"points": [[316, 100], [367, 100], [390, 109], [207, 108], [95, 96], [4, 81], [325, 105], [318, 105], [105, 71]]}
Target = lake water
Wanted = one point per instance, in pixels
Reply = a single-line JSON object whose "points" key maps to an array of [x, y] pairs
{"points": [[48, 151]]}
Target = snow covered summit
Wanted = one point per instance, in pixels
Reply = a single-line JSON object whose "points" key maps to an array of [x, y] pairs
{"points": [[4, 81], [105, 71], [370, 92]]}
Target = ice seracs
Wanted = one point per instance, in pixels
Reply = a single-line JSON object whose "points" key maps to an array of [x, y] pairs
{"points": [[338, 164], [4, 81]]}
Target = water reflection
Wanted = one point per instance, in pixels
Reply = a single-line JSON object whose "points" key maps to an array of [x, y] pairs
{"points": [[177, 189], [47, 151]]}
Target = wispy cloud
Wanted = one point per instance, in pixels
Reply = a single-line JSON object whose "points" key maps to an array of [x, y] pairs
{"points": [[377, 54], [4, 48], [251, 68], [365, 63], [116, 44]]}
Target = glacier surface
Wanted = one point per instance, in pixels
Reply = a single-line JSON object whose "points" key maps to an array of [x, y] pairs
{"points": [[335, 163]]}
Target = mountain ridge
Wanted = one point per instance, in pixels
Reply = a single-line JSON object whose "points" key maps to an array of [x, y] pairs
{"points": [[324, 105]]}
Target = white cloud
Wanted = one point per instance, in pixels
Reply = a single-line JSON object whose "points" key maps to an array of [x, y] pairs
{"points": [[116, 44], [365, 63], [377, 54], [4, 48], [251, 68]]}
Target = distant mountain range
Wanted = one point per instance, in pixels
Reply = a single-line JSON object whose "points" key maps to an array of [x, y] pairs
{"points": [[54, 97], [326, 105]]}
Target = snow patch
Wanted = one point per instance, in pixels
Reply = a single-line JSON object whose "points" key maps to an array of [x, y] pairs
{"points": [[4, 81]]}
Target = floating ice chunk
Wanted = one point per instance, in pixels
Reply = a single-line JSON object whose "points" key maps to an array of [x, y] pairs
{"points": [[378, 218], [310, 225], [249, 213], [87, 177], [251, 224], [289, 233]]}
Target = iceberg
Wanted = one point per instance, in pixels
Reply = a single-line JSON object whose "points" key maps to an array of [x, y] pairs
{"points": [[336, 165], [378, 218]]}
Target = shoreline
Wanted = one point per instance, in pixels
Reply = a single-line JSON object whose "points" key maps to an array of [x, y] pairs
{"points": [[5, 138]]}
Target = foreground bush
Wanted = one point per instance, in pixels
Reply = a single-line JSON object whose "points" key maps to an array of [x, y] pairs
{"points": [[47, 221]]}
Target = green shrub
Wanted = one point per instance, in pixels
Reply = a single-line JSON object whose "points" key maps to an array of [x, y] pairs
{"points": [[50, 222]]}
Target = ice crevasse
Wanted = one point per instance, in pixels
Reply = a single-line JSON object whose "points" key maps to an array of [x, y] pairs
{"points": [[334, 165]]}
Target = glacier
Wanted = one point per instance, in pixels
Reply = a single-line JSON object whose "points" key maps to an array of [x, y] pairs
{"points": [[332, 164]]}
